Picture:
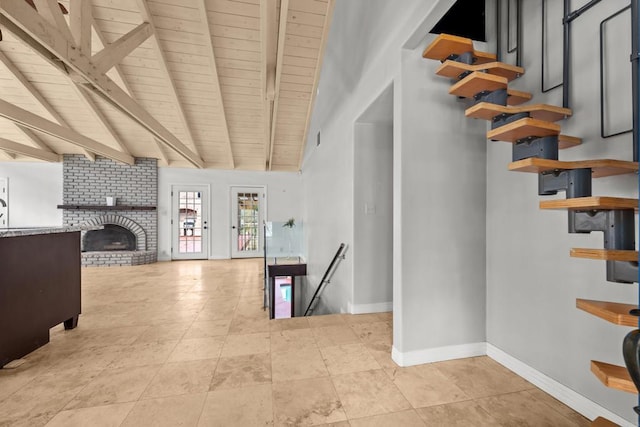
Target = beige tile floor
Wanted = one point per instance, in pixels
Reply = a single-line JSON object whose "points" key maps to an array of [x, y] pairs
{"points": [[188, 344]]}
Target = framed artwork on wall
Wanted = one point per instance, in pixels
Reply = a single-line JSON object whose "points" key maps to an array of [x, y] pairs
{"points": [[4, 202]]}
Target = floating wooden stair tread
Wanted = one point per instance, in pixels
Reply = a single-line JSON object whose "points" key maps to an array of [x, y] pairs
{"points": [[487, 111], [605, 254], [517, 97], [477, 82], [603, 422], [600, 168], [566, 141], [446, 45], [613, 312], [523, 128], [453, 69], [590, 203], [613, 376]]}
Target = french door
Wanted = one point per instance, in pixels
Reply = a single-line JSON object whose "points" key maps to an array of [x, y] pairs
{"points": [[4, 200], [247, 206], [189, 222]]}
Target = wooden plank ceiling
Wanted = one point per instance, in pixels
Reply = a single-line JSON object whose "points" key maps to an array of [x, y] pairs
{"points": [[224, 84]]}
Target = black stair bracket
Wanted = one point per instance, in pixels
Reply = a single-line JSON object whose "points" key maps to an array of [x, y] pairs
{"points": [[464, 58], [618, 227], [574, 182], [622, 272], [496, 97], [505, 119], [543, 148]]}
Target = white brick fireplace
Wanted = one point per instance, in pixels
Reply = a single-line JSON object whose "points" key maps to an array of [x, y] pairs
{"points": [[86, 186]]}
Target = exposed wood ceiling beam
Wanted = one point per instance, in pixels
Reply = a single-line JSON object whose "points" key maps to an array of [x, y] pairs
{"points": [[30, 87], [80, 21], [202, 9], [35, 122], [45, 39], [112, 54], [100, 117], [316, 78], [164, 68], [164, 160], [119, 74], [269, 48], [122, 80], [34, 138], [282, 35], [40, 99], [6, 155], [268, 53], [50, 10], [25, 150]]}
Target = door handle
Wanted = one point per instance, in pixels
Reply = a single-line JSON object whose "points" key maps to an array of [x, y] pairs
{"points": [[233, 226]]}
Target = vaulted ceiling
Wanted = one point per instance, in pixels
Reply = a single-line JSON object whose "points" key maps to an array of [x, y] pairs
{"points": [[225, 84]]}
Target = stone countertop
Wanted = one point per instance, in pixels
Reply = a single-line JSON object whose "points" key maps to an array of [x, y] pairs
{"points": [[30, 231]]}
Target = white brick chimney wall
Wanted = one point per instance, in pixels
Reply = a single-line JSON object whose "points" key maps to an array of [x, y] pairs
{"points": [[90, 183]]}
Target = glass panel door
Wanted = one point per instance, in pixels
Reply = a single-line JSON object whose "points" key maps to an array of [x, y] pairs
{"points": [[190, 229], [246, 217], [4, 203]]}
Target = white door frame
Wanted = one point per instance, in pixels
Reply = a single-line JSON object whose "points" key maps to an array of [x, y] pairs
{"points": [[233, 229], [178, 230]]}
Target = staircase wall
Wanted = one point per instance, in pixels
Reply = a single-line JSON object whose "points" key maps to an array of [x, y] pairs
{"points": [[440, 164], [360, 62], [438, 183], [532, 283]]}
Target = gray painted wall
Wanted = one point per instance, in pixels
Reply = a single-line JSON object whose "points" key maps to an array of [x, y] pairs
{"points": [[532, 283], [362, 59], [373, 217], [440, 179]]}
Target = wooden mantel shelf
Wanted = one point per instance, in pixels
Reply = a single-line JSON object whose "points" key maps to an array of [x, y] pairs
{"points": [[613, 376], [107, 208]]}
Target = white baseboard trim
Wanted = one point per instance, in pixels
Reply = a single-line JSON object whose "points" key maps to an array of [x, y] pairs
{"points": [[438, 354], [564, 394], [379, 307], [214, 257]]}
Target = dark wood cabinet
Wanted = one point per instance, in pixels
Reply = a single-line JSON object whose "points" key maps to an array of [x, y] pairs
{"points": [[39, 289]]}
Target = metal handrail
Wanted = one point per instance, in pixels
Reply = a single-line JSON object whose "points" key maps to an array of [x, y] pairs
{"points": [[603, 134], [325, 279]]}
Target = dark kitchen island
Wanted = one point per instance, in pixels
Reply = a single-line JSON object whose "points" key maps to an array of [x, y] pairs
{"points": [[39, 286]]}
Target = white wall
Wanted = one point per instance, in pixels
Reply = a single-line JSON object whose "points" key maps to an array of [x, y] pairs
{"points": [[284, 200], [532, 283], [373, 217], [35, 190]]}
